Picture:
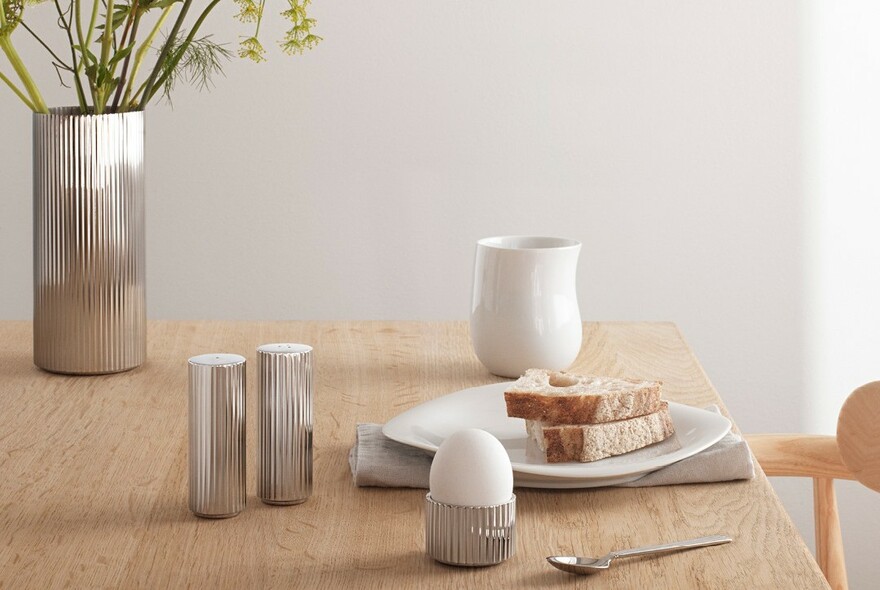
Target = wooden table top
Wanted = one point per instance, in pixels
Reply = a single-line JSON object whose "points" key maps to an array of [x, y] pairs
{"points": [[93, 490]]}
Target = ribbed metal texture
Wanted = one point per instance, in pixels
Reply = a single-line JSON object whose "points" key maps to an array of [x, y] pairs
{"points": [[217, 435], [284, 422], [89, 251], [470, 535]]}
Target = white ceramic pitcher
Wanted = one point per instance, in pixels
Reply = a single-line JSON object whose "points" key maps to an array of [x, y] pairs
{"points": [[524, 311]]}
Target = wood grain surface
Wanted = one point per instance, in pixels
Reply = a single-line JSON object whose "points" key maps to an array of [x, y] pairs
{"points": [[799, 455], [93, 491]]}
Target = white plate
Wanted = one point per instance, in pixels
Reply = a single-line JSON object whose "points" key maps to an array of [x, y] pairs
{"points": [[429, 424]]}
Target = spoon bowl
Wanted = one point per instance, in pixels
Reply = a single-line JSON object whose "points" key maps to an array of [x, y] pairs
{"points": [[580, 565], [593, 565]]}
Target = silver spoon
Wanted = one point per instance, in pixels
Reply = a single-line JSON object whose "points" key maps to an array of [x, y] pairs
{"points": [[590, 565]]}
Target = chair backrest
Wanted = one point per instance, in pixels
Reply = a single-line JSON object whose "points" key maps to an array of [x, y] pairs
{"points": [[853, 454], [858, 434]]}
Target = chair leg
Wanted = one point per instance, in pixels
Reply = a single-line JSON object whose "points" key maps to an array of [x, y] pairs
{"points": [[829, 543]]}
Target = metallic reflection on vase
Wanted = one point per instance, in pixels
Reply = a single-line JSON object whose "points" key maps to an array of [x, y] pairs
{"points": [[89, 242]]}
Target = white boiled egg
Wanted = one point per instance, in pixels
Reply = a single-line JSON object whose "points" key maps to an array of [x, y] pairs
{"points": [[471, 468]]}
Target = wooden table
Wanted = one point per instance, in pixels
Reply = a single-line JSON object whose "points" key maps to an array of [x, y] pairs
{"points": [[93, 491]]}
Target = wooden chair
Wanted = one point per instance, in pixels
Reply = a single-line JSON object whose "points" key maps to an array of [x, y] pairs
{"points": [[853, 454]]}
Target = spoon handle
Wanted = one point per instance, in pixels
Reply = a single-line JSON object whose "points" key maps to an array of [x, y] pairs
{"points": [[689, 544]]}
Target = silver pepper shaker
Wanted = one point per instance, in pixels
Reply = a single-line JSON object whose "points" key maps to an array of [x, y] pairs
{"points": [[284, 423], [217, 435]]}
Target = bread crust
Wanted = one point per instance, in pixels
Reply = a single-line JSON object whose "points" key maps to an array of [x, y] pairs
{"points": [[591, 442], [531, 399]]}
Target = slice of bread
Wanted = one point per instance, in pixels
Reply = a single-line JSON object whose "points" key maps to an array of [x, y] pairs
{"points": [[591, 442], [565, 398]]}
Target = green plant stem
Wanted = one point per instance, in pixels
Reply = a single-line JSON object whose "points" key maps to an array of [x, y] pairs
{"points": [[46, 47], [82, 42], [163, 55], [80, 94], [17, 92], [77, 16], [260, 18], [130, 23], [106, 45], [107, 35], [133, 23], [92, 23], [24, 75], [139, 57], [30, 86], [182, 49]]}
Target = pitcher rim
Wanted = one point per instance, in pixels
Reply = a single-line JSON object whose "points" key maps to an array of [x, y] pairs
{"points": [[553, 243]]}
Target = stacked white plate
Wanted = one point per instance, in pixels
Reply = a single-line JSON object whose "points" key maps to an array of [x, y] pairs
{"points": [[426, 426]]}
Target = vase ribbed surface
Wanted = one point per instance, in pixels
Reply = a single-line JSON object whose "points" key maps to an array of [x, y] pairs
{"points": [[89, 242]]}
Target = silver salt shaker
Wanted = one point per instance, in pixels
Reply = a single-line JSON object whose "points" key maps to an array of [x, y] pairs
{"points": [[284, 423], [216, 435]]}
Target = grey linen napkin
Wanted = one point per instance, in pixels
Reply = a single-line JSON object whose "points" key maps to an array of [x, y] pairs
{"points": [[379, 461]]}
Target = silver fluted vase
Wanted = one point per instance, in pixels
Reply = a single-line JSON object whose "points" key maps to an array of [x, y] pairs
{"points": [[89, 242]]}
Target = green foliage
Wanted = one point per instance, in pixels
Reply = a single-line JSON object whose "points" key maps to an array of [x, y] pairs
{"points": [[147, 5], [12, 10], [299, 37], [12, 13], [108, 45], [121, 13], [249, 11], [199, 60], [252, 49]]}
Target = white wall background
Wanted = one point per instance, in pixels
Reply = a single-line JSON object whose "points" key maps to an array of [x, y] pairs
{"points": [[712, 156]]}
